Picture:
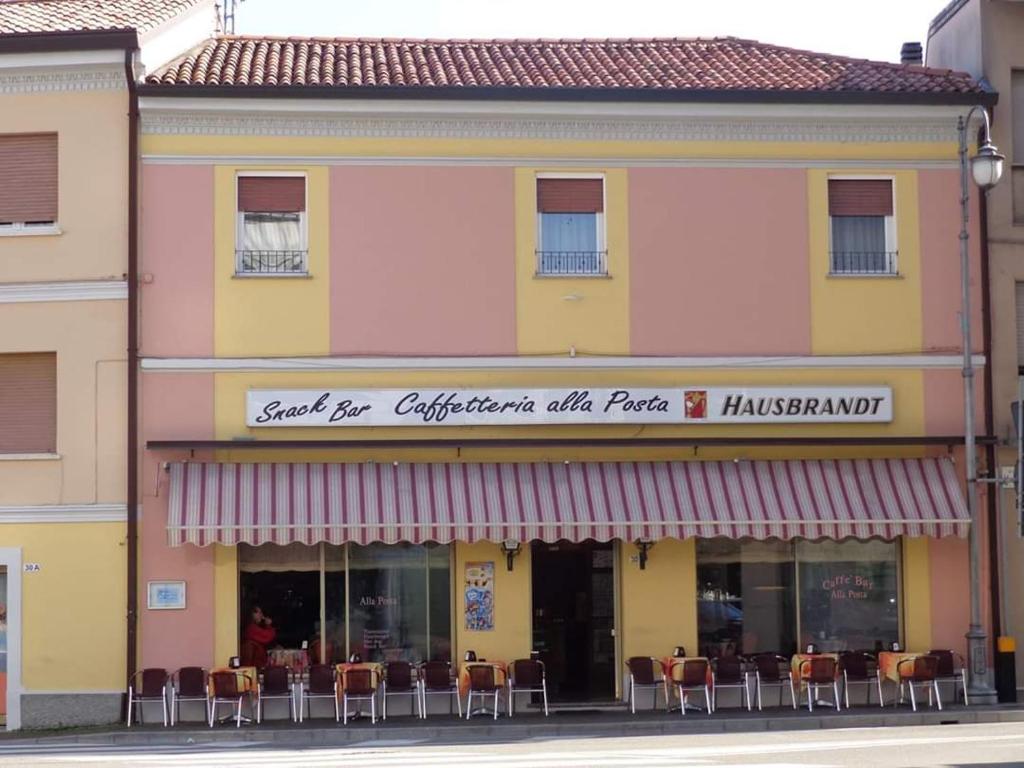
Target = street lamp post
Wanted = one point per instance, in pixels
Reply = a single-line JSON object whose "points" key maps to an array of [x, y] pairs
{"points": [[986, 168]]}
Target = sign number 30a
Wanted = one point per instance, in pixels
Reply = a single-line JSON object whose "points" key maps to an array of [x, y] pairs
{"points": [[32, 568]]}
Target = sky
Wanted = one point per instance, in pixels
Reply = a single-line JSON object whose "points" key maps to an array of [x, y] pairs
{"points": [[871, 29]]}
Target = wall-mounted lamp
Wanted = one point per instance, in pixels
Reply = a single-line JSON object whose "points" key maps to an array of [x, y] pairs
{"points": [[511, 548], [643, 545]]}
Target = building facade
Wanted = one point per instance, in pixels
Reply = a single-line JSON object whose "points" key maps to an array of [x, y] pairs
{"points": [[983, 38], [65, 69], [565, 347]]}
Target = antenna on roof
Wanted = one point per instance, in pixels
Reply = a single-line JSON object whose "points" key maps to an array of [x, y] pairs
{"points": [[227, 21]]}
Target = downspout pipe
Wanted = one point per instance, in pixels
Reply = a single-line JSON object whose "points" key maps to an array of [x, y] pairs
{"points": [[132, 479]]}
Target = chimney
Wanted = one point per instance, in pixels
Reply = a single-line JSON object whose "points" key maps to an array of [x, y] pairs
{"points": [[912, 53]]}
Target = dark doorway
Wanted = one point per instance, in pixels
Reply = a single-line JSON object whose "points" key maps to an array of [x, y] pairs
{"points": [[574, 618]]}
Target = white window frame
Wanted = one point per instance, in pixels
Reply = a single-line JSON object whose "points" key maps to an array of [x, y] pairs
{"points": [[891, 244], [21, 229], [600, 222], [11, 557], [303, 224]]}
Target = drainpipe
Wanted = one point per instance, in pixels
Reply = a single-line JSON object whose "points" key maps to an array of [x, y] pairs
{"points": [[133, 355]]}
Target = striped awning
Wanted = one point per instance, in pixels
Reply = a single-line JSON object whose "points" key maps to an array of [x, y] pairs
{"points": [[362, 503]]}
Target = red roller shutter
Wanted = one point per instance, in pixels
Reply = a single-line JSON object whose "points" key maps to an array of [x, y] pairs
{"points": [[272, 194], [860, 197], [28, 403], [570, 195], [28, 178]]}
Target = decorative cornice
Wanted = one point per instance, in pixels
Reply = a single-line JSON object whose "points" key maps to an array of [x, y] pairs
{"points": [[65, 513], [876, 130], [91, 290], [553, 362], [61, 80]]}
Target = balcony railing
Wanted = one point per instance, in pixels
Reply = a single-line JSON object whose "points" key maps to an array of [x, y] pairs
{"points": [[270, 262], [863, 262], [572, 262]]}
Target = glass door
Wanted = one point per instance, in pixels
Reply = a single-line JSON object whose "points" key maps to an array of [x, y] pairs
{"points": [[3, 645]]}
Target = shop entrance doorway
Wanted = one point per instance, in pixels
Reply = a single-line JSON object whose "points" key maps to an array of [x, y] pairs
{"points": [[574, 618]]}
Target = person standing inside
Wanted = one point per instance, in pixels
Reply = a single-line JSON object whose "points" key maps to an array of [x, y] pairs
{"points": [[259, 634]]}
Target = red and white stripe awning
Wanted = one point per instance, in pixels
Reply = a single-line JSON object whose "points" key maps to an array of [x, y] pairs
{"points": [[363, 503]]}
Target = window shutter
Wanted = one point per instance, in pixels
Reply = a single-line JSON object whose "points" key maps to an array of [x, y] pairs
{"points": [[272, 194], [570, 195], [28, 178], [1020, 325], [28, 403], [860, 197]]}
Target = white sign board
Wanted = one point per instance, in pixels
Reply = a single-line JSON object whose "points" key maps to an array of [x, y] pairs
{"points": [[626, 405]]}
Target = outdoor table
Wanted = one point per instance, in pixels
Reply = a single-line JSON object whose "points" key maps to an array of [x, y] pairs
{"points": [[797, 665], [889, 664], [247, 680], [500, 679], [672, 672], [376, 671]]}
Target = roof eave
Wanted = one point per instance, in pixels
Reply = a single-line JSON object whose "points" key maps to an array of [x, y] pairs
{"points": [[488, 93], [69, 40]]}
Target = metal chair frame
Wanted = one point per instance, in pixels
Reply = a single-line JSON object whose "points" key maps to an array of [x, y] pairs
{"points": [[931, 684], [139, 695], [743, 686], [483, 693], [413, 690], [177, 697], [634, 686], [958, 677], [780, 681], [306, 695], [683, 688], [868, 680], [451, 691], [814, 685], [368, 694], [235, 701], [261, 696], [514, 687]]}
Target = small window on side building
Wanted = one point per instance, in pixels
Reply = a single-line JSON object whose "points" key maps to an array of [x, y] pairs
{"points": [[28, 182], [863, 234], [271, 235], [570, 227], [1017, 168], [28, 403]]}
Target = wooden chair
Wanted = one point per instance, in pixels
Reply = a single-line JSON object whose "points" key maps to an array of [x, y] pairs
{"points": [[147, 686], [398, 681], [693, 677], [189, 684], [527, 676], [642, 677], [323, 684], [358, 685], [278, 683]]}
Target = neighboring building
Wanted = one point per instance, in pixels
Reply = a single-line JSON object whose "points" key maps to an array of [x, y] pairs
{"points": [[984, 38], [64, 213], [365, 261]]}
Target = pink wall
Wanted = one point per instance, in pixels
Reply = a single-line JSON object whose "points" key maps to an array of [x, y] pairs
{"points": [[939, 216], [174, 406], [177, 250], [950, 593], [422, 261], [944, 401], [701, 235]]}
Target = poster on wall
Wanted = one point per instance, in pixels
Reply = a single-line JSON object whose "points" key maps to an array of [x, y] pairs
{"points": [[480, 596]]}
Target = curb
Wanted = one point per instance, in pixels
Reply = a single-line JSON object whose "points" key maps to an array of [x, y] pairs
{"points": [[325, 733]]}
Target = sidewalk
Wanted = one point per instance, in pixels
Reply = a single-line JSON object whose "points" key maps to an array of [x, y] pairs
{"points": [[440, 729]]}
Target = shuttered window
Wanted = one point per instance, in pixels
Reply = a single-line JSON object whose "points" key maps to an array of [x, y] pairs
{"points": [[570, 195], [28, 178], [271, 226], [1020, 325], [28, 403], [861, 226], [1017, 169]]}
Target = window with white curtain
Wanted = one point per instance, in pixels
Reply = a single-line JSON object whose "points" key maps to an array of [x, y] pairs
{"points": [[570, 227], [862, 230], [271, 228]]}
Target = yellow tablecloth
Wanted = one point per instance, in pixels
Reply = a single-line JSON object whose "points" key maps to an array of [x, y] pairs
{"points": [[798, 660], [889, 664], [500, 673], [248, 677]]}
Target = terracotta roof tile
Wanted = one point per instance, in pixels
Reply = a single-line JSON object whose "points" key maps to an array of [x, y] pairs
{"points": [[28, 16], [721, 64]]}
